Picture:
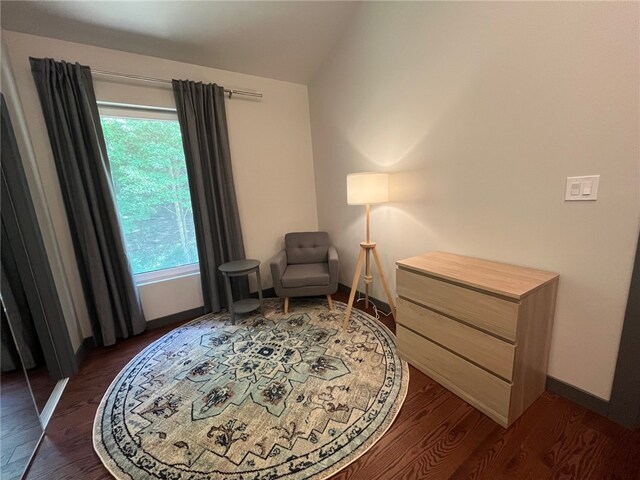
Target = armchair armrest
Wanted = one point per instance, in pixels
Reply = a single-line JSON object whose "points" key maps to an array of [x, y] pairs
{"points": [[334, 265], [278, 266]]}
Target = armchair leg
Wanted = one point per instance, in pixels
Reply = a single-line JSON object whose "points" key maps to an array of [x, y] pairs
{"points": [[286, 305], [330, 302]]}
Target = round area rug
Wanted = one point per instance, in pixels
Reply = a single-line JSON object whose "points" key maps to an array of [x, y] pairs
{"points": [[272, 396]]}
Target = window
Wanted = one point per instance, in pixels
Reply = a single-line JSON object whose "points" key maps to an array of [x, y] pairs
{"points": [[152, 192]]}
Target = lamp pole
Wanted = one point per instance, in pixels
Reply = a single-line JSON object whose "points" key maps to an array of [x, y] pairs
{"points": [[368, 278]]}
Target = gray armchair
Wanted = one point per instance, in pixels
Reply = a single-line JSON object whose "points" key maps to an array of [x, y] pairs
{"points": [[307, 266]]}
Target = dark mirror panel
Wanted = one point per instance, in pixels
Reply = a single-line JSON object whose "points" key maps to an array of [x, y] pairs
{"points": [[28, 289], [20, 428], [26, 346], [35, 349]]}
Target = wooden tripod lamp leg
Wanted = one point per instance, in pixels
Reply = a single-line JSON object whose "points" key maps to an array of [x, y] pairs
{"points": [[384, 283], [354, 286]]}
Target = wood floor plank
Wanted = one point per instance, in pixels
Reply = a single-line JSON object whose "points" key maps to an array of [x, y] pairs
{"points": [[435, 436], [442, 458], [420, 424], [581, 456]]}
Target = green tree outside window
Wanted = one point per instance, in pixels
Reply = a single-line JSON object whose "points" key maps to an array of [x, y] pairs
{"points": [[152, 191]]}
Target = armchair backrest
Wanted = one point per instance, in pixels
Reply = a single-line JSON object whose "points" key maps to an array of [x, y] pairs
{"points": [[307, 247]]}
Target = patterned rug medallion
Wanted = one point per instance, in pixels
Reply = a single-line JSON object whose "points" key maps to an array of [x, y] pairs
{"points": [[272, 397]]}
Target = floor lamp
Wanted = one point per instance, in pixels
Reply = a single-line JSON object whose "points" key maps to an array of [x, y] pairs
{"points": [[367, 189]]}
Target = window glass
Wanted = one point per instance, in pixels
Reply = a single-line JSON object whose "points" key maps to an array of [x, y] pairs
{"points": [[152, 192]]}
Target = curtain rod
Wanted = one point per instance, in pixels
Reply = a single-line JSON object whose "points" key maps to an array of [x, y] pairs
{"points": [[168, 82]]}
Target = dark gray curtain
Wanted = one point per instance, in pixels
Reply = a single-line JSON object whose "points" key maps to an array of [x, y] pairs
{"points": [[203, 123], [71, 115]]}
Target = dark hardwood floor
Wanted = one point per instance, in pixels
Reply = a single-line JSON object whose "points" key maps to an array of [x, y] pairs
{"points": [[20, 427], [435, 436], [41, 385]]}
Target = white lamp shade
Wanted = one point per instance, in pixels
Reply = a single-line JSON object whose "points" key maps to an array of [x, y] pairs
{"points": [[367, 188]]}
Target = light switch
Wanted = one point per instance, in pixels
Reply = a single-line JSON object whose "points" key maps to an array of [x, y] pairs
{"points": [[582, 188], [575, 188]]}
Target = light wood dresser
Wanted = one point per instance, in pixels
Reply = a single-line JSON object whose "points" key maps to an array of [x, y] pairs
{"points": [[479, 328]]}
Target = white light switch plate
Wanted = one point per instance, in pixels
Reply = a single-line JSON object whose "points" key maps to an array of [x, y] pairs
{"points": [[582, 188]]}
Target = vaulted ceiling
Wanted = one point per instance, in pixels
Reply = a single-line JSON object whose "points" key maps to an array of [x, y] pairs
{"points": [[282, 40]]}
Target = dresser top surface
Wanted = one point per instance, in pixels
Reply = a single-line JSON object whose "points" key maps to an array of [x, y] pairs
{"points": [[508, 280]]}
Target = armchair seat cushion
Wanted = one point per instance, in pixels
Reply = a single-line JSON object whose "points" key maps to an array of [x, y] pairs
{"points": [[306, 275]]}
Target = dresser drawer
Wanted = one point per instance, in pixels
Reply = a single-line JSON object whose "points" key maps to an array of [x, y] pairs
{"points": [[485, 350], [471, 383], [490, 313]]}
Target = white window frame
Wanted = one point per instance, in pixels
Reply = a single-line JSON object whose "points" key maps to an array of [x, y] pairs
{"points": [[110, 109], [166, 274]]}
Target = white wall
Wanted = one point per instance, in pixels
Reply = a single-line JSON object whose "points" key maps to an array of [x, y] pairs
{"points": [[270, 146], [482, 110]]}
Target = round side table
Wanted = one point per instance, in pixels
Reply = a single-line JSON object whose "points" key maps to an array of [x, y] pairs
{"points": [[235, 269]]}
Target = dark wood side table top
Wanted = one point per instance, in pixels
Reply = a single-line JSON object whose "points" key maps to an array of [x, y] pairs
{"points": [[239, 266]]}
